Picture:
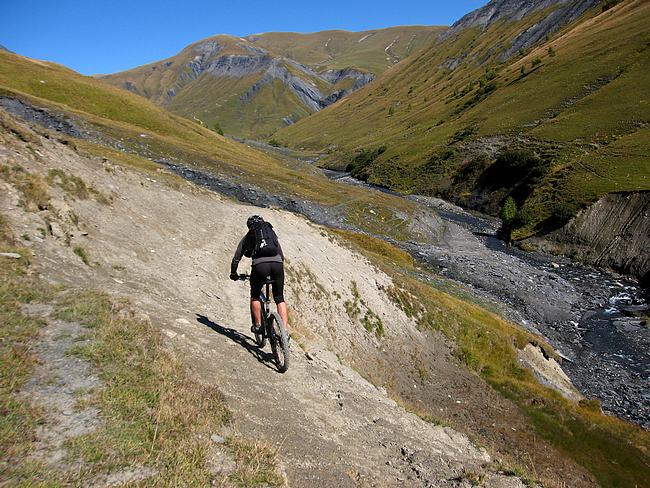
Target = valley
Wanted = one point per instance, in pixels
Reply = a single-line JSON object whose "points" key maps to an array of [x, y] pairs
{"points": [[465, 214]]}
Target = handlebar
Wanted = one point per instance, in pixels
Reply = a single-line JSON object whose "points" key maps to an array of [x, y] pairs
{"points": [[244, 277]]}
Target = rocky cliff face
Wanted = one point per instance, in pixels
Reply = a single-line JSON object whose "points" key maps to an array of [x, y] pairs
{"points": [[613, 232], [565, 11]]}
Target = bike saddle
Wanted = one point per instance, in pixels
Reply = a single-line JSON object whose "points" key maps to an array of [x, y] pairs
{"points": [[268, 280]]}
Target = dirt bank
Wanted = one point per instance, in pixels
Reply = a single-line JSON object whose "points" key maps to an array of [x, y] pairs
{"points": [[166, 244]]}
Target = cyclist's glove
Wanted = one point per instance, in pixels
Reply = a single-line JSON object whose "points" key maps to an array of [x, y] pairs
{"points": [[234, 276]]}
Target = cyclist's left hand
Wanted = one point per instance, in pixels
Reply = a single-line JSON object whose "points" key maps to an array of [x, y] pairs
{"points": [[234, 276]]}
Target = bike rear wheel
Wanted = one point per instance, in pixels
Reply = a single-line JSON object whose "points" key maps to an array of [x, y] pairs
{"points": [[279, 342]]}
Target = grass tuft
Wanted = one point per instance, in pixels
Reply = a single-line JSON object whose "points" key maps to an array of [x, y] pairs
{"points": [[257, 464], [33, 188], [81, 252]]}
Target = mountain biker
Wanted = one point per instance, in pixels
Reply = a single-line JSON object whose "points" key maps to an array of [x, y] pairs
{"points": [[261, 244]]}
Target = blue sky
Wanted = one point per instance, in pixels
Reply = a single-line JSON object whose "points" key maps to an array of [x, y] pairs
{"points": [[105, 37]]}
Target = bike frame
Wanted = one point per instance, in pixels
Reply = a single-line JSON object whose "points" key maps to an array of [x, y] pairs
{"points": [[266, 301]]}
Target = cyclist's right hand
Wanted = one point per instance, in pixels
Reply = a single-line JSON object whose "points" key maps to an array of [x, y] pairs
{"points": [[234, 276]]}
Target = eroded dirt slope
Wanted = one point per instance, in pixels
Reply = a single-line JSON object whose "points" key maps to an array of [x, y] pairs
{"points": [[166, 244]]}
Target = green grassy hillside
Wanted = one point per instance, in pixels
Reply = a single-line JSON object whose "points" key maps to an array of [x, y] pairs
{"points": [[555, 126], [222, 80]]}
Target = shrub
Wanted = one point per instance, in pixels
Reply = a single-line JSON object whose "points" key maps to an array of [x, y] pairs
{"points": [[364, 159], [609, 4], [562, 214], [512, 167], [536, 62], [508, 211], [81, 252], [462, 134]]}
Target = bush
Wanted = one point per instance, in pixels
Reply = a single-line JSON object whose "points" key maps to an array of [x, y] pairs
{"points": [[508, 211], [364, 159], [462, 134], [512, 167], [609, 4], [81, 252], [562, 214]]}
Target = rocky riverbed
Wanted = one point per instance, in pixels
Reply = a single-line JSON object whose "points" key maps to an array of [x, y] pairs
{"points": [[596, 319]]}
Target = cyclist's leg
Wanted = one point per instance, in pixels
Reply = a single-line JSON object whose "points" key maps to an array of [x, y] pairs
{"points": [[257, 277], [277, 272]]}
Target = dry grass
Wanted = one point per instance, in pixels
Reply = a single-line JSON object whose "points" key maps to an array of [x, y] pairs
{"points": [[75, 187], [155, 414], [33, 188], [257, 464], [18, 419]]}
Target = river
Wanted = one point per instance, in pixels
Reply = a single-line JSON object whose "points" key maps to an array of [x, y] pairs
{"points": [[601, 330]]}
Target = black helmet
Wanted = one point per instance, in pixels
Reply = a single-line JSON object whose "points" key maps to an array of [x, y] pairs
{"points": [[254, 220]]}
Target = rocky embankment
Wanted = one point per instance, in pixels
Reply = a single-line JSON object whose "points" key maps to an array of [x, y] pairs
{"points": [[614, 232]]}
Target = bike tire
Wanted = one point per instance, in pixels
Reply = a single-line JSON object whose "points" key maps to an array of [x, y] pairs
{"points": [[279, 342]]}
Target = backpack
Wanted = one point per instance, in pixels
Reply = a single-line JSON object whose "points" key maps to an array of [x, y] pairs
{"points": [[263, 241]]}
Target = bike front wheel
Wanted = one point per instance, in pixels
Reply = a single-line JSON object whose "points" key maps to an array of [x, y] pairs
{"points": [[279, 342]]}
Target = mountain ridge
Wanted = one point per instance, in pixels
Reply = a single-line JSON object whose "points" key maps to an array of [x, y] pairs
{"points": [[250, 86]]}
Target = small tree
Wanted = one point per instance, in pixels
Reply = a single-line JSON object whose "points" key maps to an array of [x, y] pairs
{"points": [[536, 62], [551, 51], [507, 214], [508, 211], [522, 70]]}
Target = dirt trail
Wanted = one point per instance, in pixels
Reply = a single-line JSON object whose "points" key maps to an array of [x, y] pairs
{"points": [[168, 247]]}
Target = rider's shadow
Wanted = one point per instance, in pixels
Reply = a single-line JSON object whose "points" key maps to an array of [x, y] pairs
{"points": [[243, 340]]}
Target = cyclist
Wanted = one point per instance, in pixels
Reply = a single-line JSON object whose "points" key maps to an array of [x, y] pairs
{"points": [[261, 244]]}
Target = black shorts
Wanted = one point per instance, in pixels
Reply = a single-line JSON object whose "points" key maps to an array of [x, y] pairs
{"points": [[259, 274]]}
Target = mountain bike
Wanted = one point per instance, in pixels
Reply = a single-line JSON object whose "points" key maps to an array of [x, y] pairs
{"points": [[272, 328]]}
